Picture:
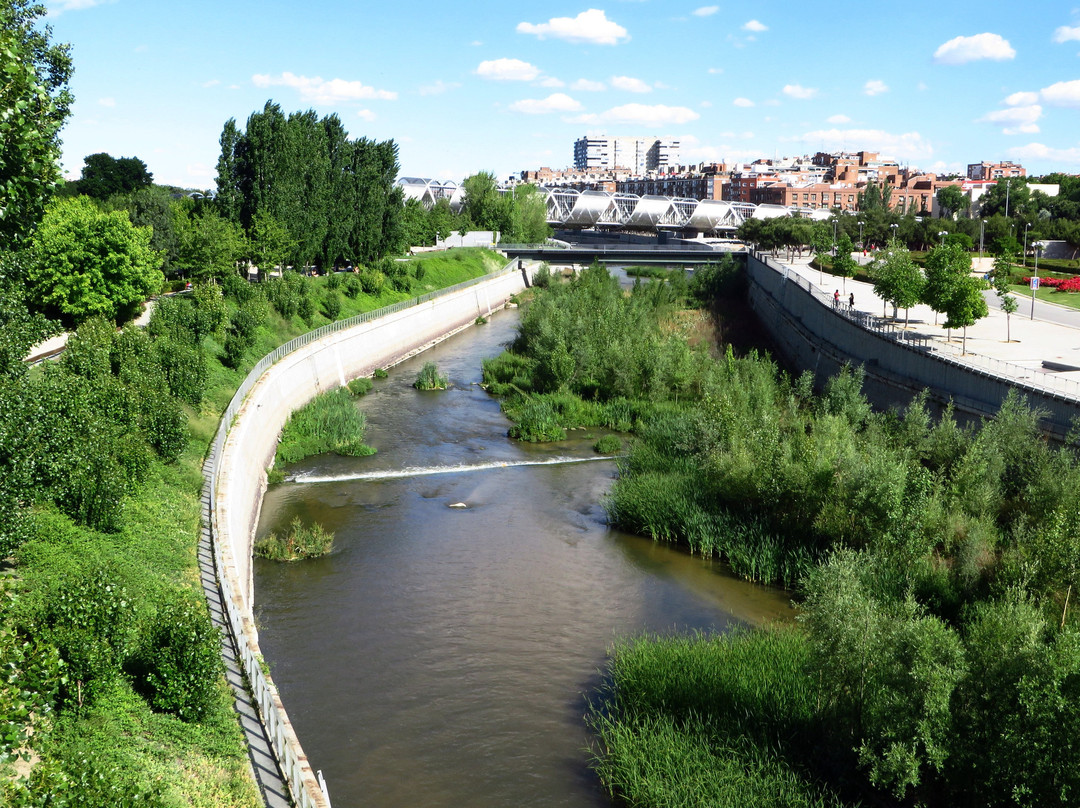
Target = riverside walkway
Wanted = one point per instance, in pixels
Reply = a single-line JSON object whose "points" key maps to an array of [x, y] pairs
{"points": [[1043, 351]]}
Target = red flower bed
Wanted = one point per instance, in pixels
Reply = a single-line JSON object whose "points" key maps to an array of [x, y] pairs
{"points": [[1060, 284]]}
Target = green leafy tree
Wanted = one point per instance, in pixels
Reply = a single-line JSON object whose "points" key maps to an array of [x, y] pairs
{"points": [[270, 243], [951, 200], [485, 208], [896, 277], [965, 305], [35, 102], [207, 245], [104, 175], [528, 224], [945, 265], [88, 263], [844, 265]]}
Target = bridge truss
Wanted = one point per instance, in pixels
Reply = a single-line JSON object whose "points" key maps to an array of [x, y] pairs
{"points": [[570, 208]]}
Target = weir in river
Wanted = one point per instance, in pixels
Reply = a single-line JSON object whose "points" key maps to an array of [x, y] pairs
{"points": [[444, 656]]}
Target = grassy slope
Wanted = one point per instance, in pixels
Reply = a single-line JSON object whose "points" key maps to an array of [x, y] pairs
{"points": [[201, 764]]}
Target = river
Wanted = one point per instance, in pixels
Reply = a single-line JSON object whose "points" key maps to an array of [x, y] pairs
{"points": [[444, 656]]}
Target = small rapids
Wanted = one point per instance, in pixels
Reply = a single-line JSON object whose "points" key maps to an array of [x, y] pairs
{"points": [[394, 474]]}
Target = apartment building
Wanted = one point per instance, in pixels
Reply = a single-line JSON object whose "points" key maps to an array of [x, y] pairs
{"points": [[995, 171], [637, 154]]}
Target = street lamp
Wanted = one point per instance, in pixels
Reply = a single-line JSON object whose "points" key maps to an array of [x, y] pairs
{"points": [[1035, 282], [982, 231], [860, 234], [1026, 228], [894, 227], [941, 235]]}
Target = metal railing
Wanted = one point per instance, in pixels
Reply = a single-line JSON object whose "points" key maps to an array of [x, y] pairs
{"points": [[945, 351], [287, 750]]}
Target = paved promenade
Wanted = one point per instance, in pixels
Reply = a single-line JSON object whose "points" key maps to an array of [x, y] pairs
{"points": [[1040, 350]]}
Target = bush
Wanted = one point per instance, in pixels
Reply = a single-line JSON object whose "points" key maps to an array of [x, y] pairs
{"points": [[334, 280], [332, 305], [184, 365], [372, 282], [360, 387], [429, 378], [352, 286], [330, 422], [381, 373], [178, 664], [299, 542]]}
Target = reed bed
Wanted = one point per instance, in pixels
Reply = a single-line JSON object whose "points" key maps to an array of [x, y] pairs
{"points": [[331, 422], [300, 541]]}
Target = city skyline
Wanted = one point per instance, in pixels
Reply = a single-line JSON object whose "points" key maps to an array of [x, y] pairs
{"points": [[505, 88]]}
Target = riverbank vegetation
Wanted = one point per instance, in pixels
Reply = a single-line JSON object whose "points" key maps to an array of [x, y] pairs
{"points": [[939, 652], [114, 691], [429, 378]]}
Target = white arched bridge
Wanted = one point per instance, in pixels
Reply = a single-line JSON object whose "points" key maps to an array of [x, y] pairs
{"points": [[567, 207]]}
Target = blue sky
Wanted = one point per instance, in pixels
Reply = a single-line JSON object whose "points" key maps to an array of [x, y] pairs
{"points": [[501, 87]]}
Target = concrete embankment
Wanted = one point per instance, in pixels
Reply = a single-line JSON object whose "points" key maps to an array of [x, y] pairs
{"points": [[816, 335], [245, 446]]}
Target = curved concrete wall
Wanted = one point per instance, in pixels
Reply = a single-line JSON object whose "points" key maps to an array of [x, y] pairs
{"points": [[247, 440], [812, 336]]}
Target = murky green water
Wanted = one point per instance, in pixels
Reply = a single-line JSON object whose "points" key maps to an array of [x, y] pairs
{"points": [[443, 656]]}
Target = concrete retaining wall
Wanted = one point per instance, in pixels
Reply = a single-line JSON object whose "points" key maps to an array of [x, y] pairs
{"points": [[283, 381], [813, 336]]}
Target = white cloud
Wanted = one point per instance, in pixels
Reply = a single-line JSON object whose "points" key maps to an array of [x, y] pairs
{"points": [[58, 7], [320, 91], [705, 104], [1039, 151], [588, 86], [550, 81], [643, 114], [964, 49], [630, 85], [556, 102], [743, 102], [715, 71], [755, 26], [1015, 120], [799, 92], [211, 83], [875, 87], [592, 27], [107, 102], [1067, 34], [1022, 99], [439, 87], [366, 114], [507, 70], [906, 146], [706, 11], [1062, 94], [838, 119]]}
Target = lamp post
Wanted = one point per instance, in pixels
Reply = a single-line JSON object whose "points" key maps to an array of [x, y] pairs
{"points": [[1035, 279], [860, 235], [982, 231], [894, 227], [941, 235], [1026, 228]]}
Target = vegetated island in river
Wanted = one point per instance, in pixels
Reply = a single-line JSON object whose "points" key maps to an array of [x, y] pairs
{"points": [[937, 657]]}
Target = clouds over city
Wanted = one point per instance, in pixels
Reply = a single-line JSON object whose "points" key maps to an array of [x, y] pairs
{"points": [[907, 146], [589, 27], [642, 115], [316, 90], [963, 49]]}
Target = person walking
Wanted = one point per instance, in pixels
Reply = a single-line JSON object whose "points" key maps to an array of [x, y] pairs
{"points": [[851, 300], [836, 299]]}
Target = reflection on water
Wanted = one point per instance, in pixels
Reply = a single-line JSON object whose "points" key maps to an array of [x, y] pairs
{"points": [[442, 656]]}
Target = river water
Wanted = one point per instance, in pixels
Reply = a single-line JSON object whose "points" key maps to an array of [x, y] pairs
{"points": [[444, 656]]}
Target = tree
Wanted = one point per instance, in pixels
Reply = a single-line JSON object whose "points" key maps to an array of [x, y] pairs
{"points": [[485, 208], [945, 264], [1000, 278], [207, 245], [34, 103], [965, 305], [528, 223], [951, 199], [844, 265], [104, 175], [86, 262], [896, 277], [270, 243]]}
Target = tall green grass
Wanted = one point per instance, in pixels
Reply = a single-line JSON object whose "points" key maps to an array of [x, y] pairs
{"points": [[330, 422], [710, 721], [300, 541]]}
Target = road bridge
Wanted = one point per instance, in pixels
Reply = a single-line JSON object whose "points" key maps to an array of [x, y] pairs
{"points": [[682, 254]]}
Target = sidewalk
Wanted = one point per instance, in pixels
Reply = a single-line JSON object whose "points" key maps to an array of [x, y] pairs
{"points": [[1033, 343]]}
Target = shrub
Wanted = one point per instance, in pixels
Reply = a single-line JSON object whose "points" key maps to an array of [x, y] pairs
{"points": [[178, 663], [352, 286], [332, 305], [537, 423], [306, 309], [381, 373], [360, 387], [297, 543], [372, 282], [184, 365], [334, 280], [419, 270], [429, 378]]}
